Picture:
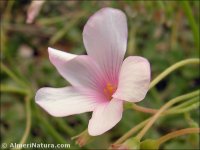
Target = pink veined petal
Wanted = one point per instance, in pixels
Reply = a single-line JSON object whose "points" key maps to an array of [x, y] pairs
{"points": [[65, 101], [58, 58], [105, 117], [83, 72], [134, 79], [105, 40]]}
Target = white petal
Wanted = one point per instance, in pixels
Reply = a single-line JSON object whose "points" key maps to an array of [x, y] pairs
{"points": [[66, 101], [58, 58], [83, 72], [105, 39], [105, 117], [134, 79], [80, 71]]}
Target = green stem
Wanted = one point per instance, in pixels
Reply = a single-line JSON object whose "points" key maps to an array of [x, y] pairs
{"points": [[66, 28], [64, 126], [49, 127], [139, 126], [7, 14], [189, 108], [185, 105], [152, 84], [188, 11], [163, 108], [174, 134], [131, 132], [5, 88], [190, 121], [12, 75], [172, 68], [52, 20], [28, 121], [51, 130], [144, 109]]}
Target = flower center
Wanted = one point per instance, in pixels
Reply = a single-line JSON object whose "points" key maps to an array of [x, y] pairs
{"points": [[109, 90]]}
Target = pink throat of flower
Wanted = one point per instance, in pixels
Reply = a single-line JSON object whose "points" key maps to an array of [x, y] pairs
{"points": [[109, 90]]}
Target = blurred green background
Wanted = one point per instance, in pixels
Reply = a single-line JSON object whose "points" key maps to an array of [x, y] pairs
{"points": [[164, 32]]}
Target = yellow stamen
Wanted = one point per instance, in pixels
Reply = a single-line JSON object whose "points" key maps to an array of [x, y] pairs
{"points": [[109, 90]]}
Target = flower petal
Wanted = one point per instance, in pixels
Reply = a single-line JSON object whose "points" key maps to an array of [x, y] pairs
{"points": [[58, 58], [105, 39], [105, 117], [66, 101], [134, 79], [83, 72]]}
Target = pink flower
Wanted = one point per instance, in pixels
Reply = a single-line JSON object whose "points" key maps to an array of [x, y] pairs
{"points": [[101, 81], [33, 10]]}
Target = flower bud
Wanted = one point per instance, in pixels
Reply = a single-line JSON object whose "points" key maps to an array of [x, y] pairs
{"points": [[149, 144], [82, 139], [132, 143]]}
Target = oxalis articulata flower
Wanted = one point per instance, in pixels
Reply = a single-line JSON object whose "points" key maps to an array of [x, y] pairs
{"points": [[100, 81]]}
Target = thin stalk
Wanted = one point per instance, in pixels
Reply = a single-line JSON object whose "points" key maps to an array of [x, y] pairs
{"points": [[175, 134], [172, 68], [163, 108], [173, 110], [50, 128], [144, 109], [52, 20], [28, 120], [131, 132], [7, 14], [66, 28], [8, 89], [137, 127], [152, 84], [190, 121], [183, 110], [65, 127], [188, 11], [185, 104], [12, 75]]}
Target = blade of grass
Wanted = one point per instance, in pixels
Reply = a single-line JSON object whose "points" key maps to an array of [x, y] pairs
{"points": [[65, 29], [188, 11]]}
